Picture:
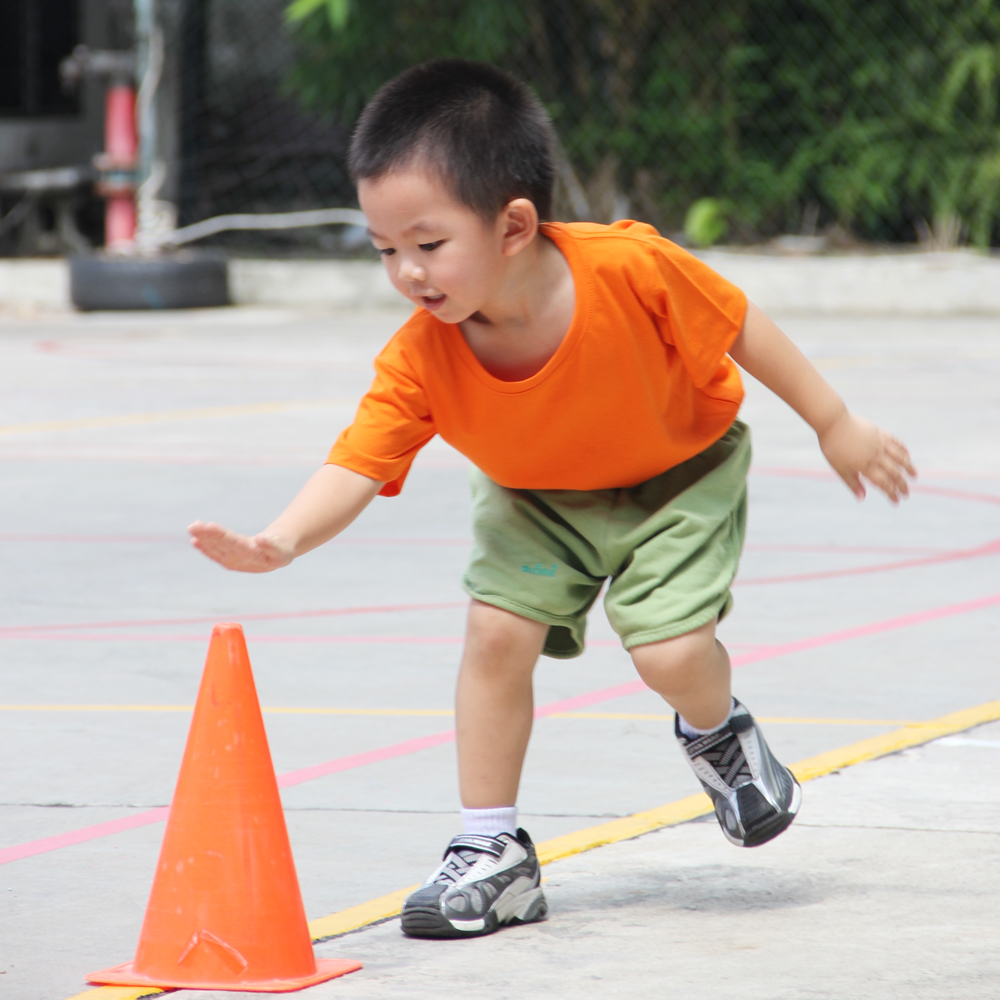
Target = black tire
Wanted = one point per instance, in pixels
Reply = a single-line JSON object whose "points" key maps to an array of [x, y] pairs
{"points": [[181, 280]]}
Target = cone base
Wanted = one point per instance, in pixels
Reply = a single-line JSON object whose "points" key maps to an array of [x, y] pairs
{"points": [[326, 968]]}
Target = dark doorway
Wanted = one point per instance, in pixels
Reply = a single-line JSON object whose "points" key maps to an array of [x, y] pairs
{"points": [[35, 36]]}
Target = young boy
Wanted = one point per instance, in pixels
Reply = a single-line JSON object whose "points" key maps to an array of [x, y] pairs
{"points": [[588, 373]]}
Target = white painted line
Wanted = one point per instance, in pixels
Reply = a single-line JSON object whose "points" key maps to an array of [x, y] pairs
{"points": [[967, 741]]}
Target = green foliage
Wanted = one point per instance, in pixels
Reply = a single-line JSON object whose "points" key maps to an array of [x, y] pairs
{"points": [[706, 222], [343, 64], [883, 113], [337, 11]]}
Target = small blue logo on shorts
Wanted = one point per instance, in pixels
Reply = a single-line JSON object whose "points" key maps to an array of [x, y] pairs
{"points": [[539, 570]]}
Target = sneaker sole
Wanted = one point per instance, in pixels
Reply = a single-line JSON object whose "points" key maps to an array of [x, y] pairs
{"points": [[430, 922], [772, 828]]}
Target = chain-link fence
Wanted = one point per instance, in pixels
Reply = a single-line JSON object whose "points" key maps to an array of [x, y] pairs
{"points": [[837, 121], [247, 142]]}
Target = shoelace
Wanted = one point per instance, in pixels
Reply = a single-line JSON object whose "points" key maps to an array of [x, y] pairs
{"points": [[462, 854], [456, 865], [723, 751]]}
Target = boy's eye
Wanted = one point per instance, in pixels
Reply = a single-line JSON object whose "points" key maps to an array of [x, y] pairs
{"points": [[387, 252], [431, 246]]}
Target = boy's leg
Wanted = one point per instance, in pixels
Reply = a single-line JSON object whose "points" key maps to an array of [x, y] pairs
{"points": [[489, 875], [755, 796], [691, 673], [494, 704]]}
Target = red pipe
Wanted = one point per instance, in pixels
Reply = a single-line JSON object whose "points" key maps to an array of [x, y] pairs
{"points": [[121, 144]]}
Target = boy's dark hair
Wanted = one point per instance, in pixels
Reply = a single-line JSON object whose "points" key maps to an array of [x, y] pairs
{"points": [[486, 133]]}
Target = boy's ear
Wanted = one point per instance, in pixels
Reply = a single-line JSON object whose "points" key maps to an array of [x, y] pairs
{"points": [[518, 225]]}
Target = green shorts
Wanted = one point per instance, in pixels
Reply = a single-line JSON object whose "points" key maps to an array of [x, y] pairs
{"points": [[670, 545]]}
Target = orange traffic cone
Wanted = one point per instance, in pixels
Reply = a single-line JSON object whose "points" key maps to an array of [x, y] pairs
{"points": [[225, 912]]}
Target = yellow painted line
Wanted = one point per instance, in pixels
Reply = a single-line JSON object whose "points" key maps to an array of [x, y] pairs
{"points": [[630, 827], [96, 708], [912, 735], [770, 719], [794, 721], [166, 416], [626, 828], [266, 711], [359, 711], [359, 916], [118, 993]]}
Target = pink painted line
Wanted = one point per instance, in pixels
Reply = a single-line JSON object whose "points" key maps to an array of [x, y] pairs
{"points": [[989, 549], [94, 539], [85, 833], [959, 474], [375, 640], [290, 778], [759, 653], [941, 491], [362, 759], [36, 631], [124, 457], [43, 633], [257, 617], [956, 494], [183, 540], [159, 814], [889, 625], [389, 540], [847, 549], [204, 636], [348, 540], [590, 698]]}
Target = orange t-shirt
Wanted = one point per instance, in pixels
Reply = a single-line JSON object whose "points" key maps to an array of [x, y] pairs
{"points": [[641, 381]]}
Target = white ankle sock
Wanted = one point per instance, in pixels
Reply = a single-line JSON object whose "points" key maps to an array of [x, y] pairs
{"points": [[688, 730], [490, 822]]}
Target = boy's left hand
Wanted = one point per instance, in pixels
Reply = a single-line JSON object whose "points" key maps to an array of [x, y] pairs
{"points": [[856, 448]]}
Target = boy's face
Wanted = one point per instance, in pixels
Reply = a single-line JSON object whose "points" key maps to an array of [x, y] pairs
{"points": [[439, 253]]}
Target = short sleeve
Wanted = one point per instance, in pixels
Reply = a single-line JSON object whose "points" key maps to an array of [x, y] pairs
{"points": [[700, 312], [392, 424]]}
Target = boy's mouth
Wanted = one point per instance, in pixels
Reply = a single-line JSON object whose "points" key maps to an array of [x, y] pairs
{"points": [[432, 302]]}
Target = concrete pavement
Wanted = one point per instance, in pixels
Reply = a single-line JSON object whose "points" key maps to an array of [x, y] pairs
{"points": [[885, 887], [961, 282], [117, 431]]}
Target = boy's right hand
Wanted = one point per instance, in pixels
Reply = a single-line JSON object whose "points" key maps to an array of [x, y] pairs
{"points": [[856, 448], [259, 554]]}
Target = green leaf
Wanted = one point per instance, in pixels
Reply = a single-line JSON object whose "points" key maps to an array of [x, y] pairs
{"points": [[299, 10], [979, 63], [705, 222], [337, 11]]}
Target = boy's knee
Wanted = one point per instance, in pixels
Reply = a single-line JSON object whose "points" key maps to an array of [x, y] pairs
{"points": [[678, 661], [498, 636]]}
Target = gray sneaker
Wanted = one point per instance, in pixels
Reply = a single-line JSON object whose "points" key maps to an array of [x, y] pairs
{"points": [[755, 797], [482, 884]]}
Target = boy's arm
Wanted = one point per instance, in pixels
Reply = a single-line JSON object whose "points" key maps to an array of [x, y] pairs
{"points": [[326, 505], [851, 445]]}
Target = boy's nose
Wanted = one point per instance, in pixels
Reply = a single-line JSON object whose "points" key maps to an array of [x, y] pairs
{"points": [[412, 272]]}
